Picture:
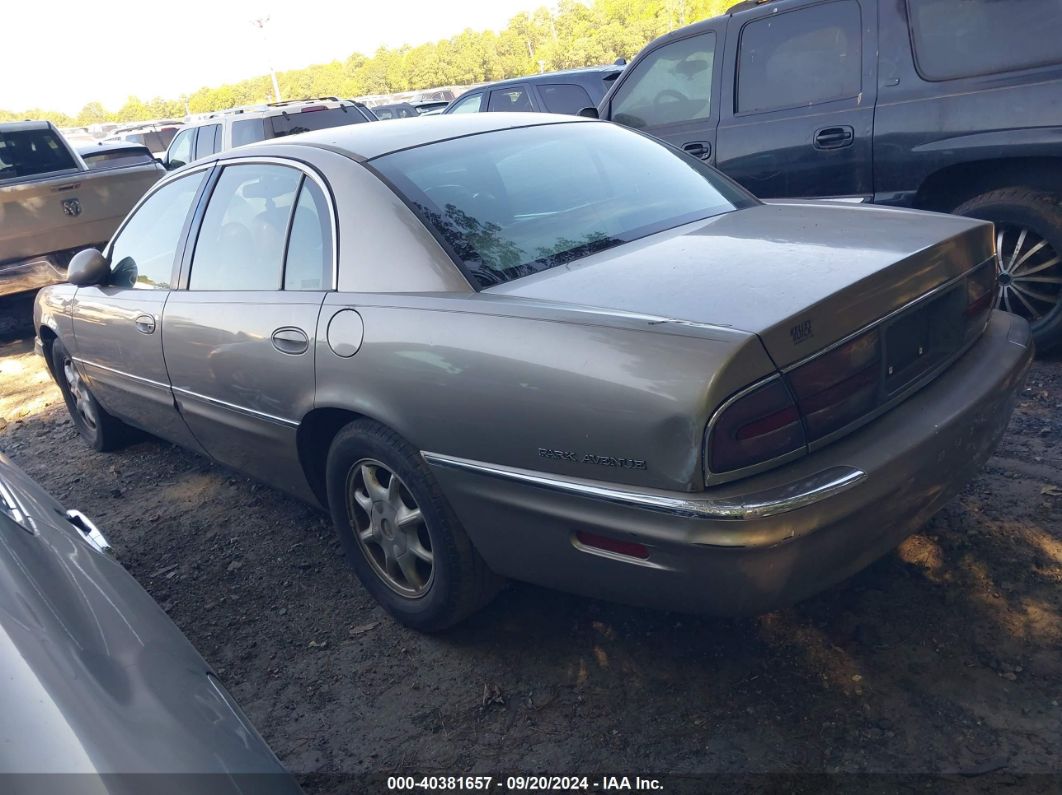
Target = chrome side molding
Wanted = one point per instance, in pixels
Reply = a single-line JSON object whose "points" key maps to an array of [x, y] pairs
{"points": [[758, 505]]}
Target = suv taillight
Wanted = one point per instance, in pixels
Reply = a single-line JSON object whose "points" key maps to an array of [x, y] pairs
{"points": [[755, 427]]}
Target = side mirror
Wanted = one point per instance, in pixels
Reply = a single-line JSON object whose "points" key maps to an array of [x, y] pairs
{"points": [[88, 267], [589, 113]]}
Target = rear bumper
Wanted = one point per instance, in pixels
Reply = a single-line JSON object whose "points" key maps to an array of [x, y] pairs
{"points": [[827, 516], [30, 274]]}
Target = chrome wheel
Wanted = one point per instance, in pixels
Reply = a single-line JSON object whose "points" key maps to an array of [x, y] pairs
{"points": [[1030, 274], [83, 403], [389, 528]]}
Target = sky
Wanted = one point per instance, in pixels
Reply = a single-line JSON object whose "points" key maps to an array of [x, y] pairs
{"points": [[70, 53]]}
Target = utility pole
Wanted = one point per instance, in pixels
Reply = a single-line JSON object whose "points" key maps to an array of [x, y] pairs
{"points": [[260, 23]]}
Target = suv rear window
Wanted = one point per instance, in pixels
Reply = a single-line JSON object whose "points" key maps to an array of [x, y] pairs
{"points": [[304, 121], [117, 158], [962, 38], [25, 153]]}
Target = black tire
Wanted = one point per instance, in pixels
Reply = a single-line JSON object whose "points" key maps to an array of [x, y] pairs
{"points": [[459, 582], [1039, 214], [99, 429]]}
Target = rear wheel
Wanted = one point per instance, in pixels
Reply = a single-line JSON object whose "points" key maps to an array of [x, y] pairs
{"points": [[102, 431], [1029, 255], [400, 535]]}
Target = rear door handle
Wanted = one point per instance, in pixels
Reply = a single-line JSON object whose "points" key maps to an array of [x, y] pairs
{"points": [[145, 324], [290, 340], [702, 150], [834, 137]]}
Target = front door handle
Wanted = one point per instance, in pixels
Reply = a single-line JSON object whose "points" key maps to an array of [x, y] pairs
{"points": [[702, 150], [145, 324], [291, 340], [834, 137]]}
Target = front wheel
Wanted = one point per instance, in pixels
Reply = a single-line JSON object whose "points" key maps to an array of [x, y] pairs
{"points": [[1029, 255], [399, 533]]}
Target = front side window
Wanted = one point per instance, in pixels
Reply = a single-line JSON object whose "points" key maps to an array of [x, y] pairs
{"points": [[800, 58], [181, 148], [565, 98], [515, 202], [209, 141], [247, 131], [471, 104], [672, 84], [143, 252], [24, 153], [510, 100], [241, 239], [961, 38]]}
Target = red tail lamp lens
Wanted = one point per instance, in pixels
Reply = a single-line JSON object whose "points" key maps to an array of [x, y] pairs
{"points": [[629, 548], [840, 386], [759, 426]]}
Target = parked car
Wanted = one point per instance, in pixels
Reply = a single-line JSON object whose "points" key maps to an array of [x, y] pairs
{"points": [[551, 349], [553, 92], [228, 129], [396, 110], [948, 105], [155, 136], [97, 680], [104, 155], [52, 205]]}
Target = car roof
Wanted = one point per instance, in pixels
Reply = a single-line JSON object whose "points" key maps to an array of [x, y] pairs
{"points": [[22, 126], [366, 141]]}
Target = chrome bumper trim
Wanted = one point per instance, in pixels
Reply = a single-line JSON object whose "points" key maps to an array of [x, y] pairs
{"points": [[758, 505]]}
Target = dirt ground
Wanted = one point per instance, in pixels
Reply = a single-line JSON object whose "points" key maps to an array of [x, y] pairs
{"points": [[944, 657]]}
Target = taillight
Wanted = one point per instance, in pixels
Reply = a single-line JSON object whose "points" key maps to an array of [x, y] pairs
{"points": [[313, 108], [838, 387], [758, 426], [980, 292]]}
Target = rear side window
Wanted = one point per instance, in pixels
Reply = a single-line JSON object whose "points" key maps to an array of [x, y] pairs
{"points": [[143, 252], [800, 58], [247, 132], [308, 265], [24, 153], [209, 141], [510, 100], [565, 98], [671, 84], [961, 38], [241, 239], [307, 120]]}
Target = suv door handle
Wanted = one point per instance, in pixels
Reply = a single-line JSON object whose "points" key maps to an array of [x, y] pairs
{"points": [[702, 150], [290, 340], [145, 323], [834, 137]]}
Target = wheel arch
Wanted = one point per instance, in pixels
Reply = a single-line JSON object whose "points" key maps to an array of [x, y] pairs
{"points": [[947, 188]]}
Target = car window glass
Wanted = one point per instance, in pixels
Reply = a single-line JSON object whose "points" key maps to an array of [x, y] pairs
{"points": [[143, 252], [181, 148], [565, 98], [247, 132], [241, 239], [27, 152], [313, 118], [672, 84], [207, 142], [470, 104], [959, 38], [309, 261], [510, 100], [800, 58]]}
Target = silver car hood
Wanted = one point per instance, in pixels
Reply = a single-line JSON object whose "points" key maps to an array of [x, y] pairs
{"points": [[95, 678], [829, 268]]}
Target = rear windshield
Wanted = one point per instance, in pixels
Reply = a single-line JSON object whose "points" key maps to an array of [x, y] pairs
{"points": [[515, 202], [296, 122], [961, 38], [26, 153], [117, 158]]}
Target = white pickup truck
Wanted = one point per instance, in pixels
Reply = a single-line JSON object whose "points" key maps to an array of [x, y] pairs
{"points": [[52, 204]]}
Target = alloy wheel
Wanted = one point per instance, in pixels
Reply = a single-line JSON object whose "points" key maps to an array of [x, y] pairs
{"points": [[389, 528], [83, 403], [1030, 274]]}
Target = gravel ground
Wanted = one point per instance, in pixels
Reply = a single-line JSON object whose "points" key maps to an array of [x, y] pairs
{"points": [[943, 657]]}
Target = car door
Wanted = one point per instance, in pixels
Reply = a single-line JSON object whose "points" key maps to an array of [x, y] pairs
{"points": [[798, 115], [239, 333], [671, 91], [117, 325]]}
